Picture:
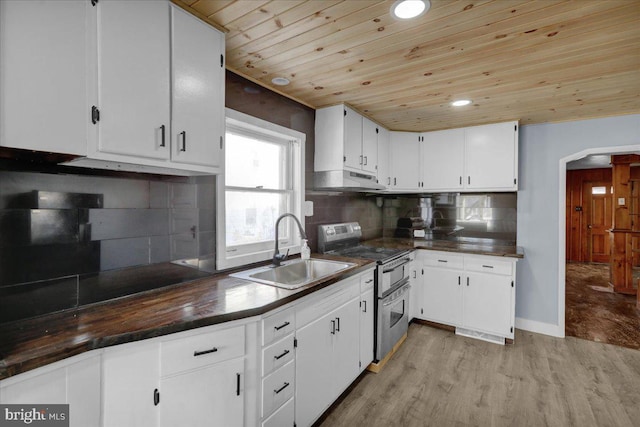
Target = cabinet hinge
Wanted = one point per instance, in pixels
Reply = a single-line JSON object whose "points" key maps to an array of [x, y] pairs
{"points": [[421, 311], [512, 283], [95, 115], [423, 271], [94, 2], [221, 142], [345, 112], [156, 397], [515, 181], [515, 127], [512, 329], [222, 60], [359, 364], [377, 130], [295, 342], [344, 158]]}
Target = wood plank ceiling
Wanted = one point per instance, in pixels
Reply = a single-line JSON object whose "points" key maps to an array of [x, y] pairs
{"points": [[536, 61]]}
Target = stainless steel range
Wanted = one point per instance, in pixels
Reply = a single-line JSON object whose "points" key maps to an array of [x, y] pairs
{"points": [[391, 280]]}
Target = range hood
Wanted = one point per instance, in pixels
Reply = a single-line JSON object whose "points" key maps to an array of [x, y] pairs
{"points": [[345, 181]]}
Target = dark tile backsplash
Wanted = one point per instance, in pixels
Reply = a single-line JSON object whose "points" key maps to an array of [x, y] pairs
{"points": [[456, 215], [57, 226]]}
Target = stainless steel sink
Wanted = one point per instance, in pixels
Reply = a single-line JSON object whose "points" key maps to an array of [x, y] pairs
{"points": [[294, 274]]}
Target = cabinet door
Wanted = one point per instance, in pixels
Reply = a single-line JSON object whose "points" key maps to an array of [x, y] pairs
{"points": [[490, 156], [198, 91], [346, 351], [352, 139], [404, 161], [415, 293], [77, 384], [366, 329], [369, 146], [43, 84], [205, 397], [134, 77], [487, 303], [383, 157], [314, 369], [130, 375], [442, 155], [442, 296]]}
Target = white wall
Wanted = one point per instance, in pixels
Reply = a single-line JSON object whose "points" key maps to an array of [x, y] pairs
{"points": [[544, 150]]}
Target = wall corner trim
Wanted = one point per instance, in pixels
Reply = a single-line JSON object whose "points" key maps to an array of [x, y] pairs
{"points": [[540, 327]]}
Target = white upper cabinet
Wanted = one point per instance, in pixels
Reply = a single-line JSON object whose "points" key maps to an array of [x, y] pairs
{"points": [[160, 87], [345, 140], [404, 162], [491, 157], [478, 158], [134, 86], [442, 154], [370, 133], [384, 176], [43, 80], [352, 139], [197, 127]]}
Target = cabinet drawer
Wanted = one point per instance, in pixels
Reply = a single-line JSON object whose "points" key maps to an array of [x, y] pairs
{"points": [[278, 326], [282, 417], [277, 354], [443, 259], [366, 281], [488, 265], [277, 388], [204, 349]]}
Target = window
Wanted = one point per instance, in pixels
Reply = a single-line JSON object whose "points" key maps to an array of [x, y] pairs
{"points": [[263, 178]]}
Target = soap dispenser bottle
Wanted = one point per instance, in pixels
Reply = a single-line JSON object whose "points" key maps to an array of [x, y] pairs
{"points": [[305, 252]]}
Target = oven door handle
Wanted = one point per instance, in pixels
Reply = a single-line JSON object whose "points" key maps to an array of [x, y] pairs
{"points": [[405, 288], [406, 261]]}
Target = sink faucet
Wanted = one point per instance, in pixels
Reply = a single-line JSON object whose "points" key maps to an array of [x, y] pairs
{"points": [[277, 256]]}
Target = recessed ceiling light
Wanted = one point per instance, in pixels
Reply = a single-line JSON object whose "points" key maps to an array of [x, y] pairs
{"points": [[407, 9], [461, 102], [280, 81]]}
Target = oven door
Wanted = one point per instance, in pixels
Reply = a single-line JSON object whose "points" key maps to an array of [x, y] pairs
{"points": [[391, 275], [393, 320]]}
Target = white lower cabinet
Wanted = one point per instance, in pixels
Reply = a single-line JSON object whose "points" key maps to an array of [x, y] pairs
{"points": [[474, 293], [278, 368], [75, 381], [189, 378], [130, 384], [204, 397], [328, 353]]}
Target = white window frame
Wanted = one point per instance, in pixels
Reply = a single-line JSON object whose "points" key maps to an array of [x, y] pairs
{"points": [[228, 259]]}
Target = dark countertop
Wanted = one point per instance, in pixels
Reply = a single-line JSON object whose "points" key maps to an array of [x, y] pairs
{"points": [[32, 343], [467, 245]]}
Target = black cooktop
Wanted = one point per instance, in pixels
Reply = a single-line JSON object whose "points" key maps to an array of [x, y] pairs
{"points": [[370, 252]]}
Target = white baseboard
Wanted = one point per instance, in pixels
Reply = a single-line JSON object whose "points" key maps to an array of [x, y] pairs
{"points": [[539, 327]]}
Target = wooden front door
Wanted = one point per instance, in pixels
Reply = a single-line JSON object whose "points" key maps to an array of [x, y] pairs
{"points": [[597, 200]]}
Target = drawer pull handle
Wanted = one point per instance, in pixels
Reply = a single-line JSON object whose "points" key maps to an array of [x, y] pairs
{"points": [[442, 260], [156, 397], [200, 353], [338, 324], [281, 388], [487, 266], [333, 327], [369, 281], [277, 328], [282, 355], [237, 384]]}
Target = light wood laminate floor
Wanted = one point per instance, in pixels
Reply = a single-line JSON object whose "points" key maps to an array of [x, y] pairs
{"points": [[439, 379]]}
